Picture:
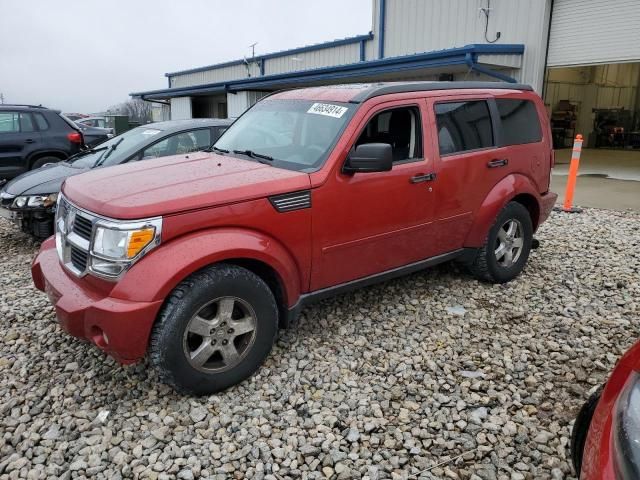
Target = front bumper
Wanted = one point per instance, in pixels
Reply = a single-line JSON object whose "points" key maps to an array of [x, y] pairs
{"points": [[121, 328], [34, 221]]}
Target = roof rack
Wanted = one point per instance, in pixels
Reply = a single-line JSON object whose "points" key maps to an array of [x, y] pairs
{"points": [[382, 88], [20, 105]]}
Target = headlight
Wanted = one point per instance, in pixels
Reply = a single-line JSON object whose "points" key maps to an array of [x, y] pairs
{"points": [[117, 245], [35, 201], [626, 430]]}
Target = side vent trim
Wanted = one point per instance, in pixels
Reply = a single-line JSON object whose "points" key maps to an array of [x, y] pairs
{"points": [[289, 202]]}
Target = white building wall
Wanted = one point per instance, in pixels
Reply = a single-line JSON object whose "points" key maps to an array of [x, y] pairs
{"points": [[233, 72], [414, 26], [326, 57], [180, 108], [237, 103], [587, 32]]}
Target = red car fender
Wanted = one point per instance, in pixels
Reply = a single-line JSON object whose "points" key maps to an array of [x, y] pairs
{"points": [[597, 460], [153, 277], [501, 194]]}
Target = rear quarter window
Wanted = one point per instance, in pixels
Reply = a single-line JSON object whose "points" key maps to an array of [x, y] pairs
{"points": [[520, 122], [463, 126]]}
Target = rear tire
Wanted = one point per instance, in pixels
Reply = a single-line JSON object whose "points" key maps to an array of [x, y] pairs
{"points": [[506, 250], [43, 161], [215, 330]]}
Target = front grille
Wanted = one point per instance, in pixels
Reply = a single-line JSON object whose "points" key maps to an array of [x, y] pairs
{"points": [[82, 226], [79, 258], [73, 236]]}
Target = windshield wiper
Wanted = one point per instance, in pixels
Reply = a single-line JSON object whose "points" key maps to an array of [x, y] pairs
{"points": [[252, 154], [102, 159], [213, 148], [86, 152]]}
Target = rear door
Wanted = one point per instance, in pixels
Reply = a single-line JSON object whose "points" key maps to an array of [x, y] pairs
{"points": [[469, 165], [18, 137], [520, 132]]}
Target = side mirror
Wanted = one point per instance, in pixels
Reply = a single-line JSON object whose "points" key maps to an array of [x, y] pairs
{"points": [[369, 157]]}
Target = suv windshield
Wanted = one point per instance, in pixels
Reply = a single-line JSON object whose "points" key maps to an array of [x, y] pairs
{"points": [[293, 134], [126, 144]]}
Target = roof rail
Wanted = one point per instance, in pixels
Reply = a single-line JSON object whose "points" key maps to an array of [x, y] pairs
{"points": [[20, 105]]}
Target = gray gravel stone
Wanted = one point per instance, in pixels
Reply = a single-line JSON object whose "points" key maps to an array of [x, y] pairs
{"points": [[385, 382]]}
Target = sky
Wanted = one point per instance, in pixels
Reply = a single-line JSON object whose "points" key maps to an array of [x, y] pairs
{"points": [[87, 55]]}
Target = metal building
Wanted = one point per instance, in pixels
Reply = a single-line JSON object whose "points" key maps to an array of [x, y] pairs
{"points": [[582, 55]]}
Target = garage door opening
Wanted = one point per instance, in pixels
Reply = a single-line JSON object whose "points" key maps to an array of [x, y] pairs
{"points": [[209, 107], [601, 102]]}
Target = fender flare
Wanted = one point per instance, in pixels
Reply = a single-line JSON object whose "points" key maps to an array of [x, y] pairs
{"points": [[154, 276], [502, 193]]}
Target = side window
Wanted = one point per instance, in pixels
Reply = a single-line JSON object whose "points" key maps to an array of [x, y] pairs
{"points": [[201, 139], [9, 122], [178, 144], [399, 127], [520, 123], [463, 126], [41, 121], [219, 131], [26, 124]]}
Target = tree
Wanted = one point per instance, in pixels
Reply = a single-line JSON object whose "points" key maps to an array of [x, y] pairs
{"points": [[137, 110]]}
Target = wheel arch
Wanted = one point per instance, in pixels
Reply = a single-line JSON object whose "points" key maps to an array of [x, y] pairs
{"points": [[156, 275], [35, 156], [515, 187]]}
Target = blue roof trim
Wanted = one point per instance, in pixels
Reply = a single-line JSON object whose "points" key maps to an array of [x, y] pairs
{"points": [[453, 56], [282, 53]]}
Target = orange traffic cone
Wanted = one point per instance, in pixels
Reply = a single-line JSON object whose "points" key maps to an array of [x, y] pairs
{"points": [[573, 174]]}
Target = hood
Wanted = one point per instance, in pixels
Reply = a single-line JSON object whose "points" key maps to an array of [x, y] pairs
{"points": [[179, 183], [42, 181]]}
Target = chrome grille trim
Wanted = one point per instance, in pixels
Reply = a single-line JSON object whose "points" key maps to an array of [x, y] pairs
{"points": [[72, 243], [291, 201]]}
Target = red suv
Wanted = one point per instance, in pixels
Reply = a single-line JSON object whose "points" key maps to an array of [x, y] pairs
{"points": [[198, 260]]}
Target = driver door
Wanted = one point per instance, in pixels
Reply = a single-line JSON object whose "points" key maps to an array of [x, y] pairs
{"points": [[367, 223]]}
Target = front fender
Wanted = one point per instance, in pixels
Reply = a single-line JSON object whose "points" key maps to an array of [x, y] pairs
{"points": [[501, 194], [153, 277]]}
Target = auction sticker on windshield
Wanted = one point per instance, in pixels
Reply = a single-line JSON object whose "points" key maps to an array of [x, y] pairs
{"points": [[335, 111]]}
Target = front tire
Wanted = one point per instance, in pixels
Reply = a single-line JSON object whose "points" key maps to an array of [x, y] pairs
{"points": [[215, 330], [506, 250]]}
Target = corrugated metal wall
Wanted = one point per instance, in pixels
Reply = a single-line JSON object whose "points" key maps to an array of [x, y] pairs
{"points": [[326, 57], [587, 32], [414, 26], [233, 72], [180, 108]]}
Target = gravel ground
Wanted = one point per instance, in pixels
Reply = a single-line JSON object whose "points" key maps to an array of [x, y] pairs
{"points": [[386, 382]]}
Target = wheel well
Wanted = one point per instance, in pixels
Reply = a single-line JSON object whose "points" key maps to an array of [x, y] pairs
{"points": [[531, 204], [39, 155], [270, 277]]}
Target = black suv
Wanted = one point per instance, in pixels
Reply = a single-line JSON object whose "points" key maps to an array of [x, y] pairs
{"points": [[33, 136]]}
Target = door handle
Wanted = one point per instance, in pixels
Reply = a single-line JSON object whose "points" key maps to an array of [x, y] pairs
{"points": [[497, 162], [29, 140], [422, 177]]}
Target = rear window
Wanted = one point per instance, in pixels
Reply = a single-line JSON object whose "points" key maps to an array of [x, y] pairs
{"points": [[520, 123], [41, 121], [463, 126]]}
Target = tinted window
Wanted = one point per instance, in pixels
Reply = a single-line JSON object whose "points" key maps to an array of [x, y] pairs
{"points": [[181, 143], [463, 126], [520, 123], [400, 128], [41, 121], [26, 124], [9, 122]]}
